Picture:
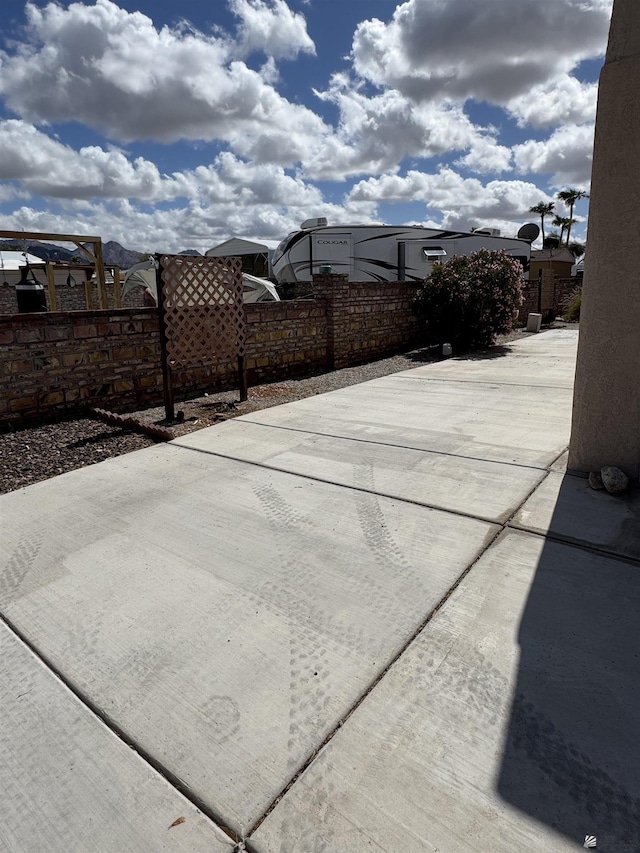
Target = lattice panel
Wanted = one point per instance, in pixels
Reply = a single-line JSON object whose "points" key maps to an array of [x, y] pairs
{"points": [[203, 308]]}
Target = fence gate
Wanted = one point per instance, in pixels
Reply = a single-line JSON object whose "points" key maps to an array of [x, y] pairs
{"points": [[202, 317]]}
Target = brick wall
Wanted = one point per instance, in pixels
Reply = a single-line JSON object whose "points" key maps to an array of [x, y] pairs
{"points": [[56, 363], [70, 298], [551, 291], [367, 319], [564, 287], [286, 339]]}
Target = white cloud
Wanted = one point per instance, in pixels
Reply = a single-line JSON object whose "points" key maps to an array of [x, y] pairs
{"points": [[45, 166], [561, 101], [106, 192], [566, 155], [493, 50], [463, 201], [199, 225], [376, 133], [271, 27], [114, 71], [486, 156]]}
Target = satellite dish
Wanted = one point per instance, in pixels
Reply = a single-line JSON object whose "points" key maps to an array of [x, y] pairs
{"points": [[529, 232]]}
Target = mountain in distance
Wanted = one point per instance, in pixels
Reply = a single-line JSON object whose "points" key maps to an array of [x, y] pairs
{"points": [[116, 254], [112, 252], [46, 251]]}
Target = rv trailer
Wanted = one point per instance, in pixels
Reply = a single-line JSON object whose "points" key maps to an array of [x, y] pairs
{"points": [[382, 252]]}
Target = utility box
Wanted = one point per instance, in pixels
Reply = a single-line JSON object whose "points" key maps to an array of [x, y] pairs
{"points": [[534, 321]]}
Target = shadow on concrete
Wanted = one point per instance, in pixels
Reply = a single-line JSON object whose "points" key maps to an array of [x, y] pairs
{"points": [[422, 355], [497, 351], [572, 751], [433, 353]]}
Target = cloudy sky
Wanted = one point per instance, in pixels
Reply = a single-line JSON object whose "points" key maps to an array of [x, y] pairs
{"points": [[167, 125]]}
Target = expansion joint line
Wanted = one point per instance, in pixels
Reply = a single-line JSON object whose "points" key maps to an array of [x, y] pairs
{"points": [[121, 733], [311, 758]]}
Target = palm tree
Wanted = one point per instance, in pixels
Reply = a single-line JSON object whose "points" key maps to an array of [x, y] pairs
{"points": [[551, 241], [564, 223], [542, 209], [577, 249], [570, 197]]}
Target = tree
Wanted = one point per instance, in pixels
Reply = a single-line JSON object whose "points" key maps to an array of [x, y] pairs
{"points": [[570, 197], [576, 248], [564, 223], [543, 209]]}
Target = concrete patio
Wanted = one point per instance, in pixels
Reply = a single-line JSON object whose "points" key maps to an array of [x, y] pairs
{"points": [[383, 618]]}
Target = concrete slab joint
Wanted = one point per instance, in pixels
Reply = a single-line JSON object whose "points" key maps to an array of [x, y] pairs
{"points": [[380, 618]]}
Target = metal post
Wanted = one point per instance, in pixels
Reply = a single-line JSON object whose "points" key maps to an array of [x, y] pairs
{"points": [[167, 384], [244, 385], [540, 291]]}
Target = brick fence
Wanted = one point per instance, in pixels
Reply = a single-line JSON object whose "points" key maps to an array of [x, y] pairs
{"points": [[367, 320], [54, 364], [71, 297], [547, 296]]}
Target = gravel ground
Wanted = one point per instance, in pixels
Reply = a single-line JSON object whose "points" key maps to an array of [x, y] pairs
{"points": [[37, 453]]}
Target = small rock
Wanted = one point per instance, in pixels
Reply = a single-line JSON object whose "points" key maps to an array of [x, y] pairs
{"points": [[614, 480], [595, 480]]}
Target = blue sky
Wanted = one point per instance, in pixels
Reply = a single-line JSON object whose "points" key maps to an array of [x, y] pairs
{"points": [[167, 126]]}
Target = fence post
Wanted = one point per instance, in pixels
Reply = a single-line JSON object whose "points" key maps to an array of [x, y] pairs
{"points": [[51, 287], [335, 289], [244, 381], [548, 288], [117, 288], [167, 384]]}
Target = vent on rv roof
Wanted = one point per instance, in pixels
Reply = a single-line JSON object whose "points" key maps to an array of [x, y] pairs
{"points": [[320, 222], [433, 252]]}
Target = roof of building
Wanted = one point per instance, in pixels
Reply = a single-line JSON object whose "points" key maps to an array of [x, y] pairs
{"points": [[237, 246], [563, 255], [15, 260]]}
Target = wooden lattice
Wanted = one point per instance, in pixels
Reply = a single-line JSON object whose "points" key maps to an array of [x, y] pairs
{"points": [[203, 309]]}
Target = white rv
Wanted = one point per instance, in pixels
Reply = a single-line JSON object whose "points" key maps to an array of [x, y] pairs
{"points": [[383, 252]]}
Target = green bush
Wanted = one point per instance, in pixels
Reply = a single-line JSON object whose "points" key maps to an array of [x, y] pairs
{"points": [[467, 301], [571, 306]]}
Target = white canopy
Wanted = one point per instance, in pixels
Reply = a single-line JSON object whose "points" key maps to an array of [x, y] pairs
{"points": [[144, 275]]}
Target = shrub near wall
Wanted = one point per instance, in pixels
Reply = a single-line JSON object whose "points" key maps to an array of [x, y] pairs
{"points": [[547, 296], [470, 299]]}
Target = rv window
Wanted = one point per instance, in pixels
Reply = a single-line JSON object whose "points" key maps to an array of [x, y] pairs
{"points": [[286, 244], [433, 252]]}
